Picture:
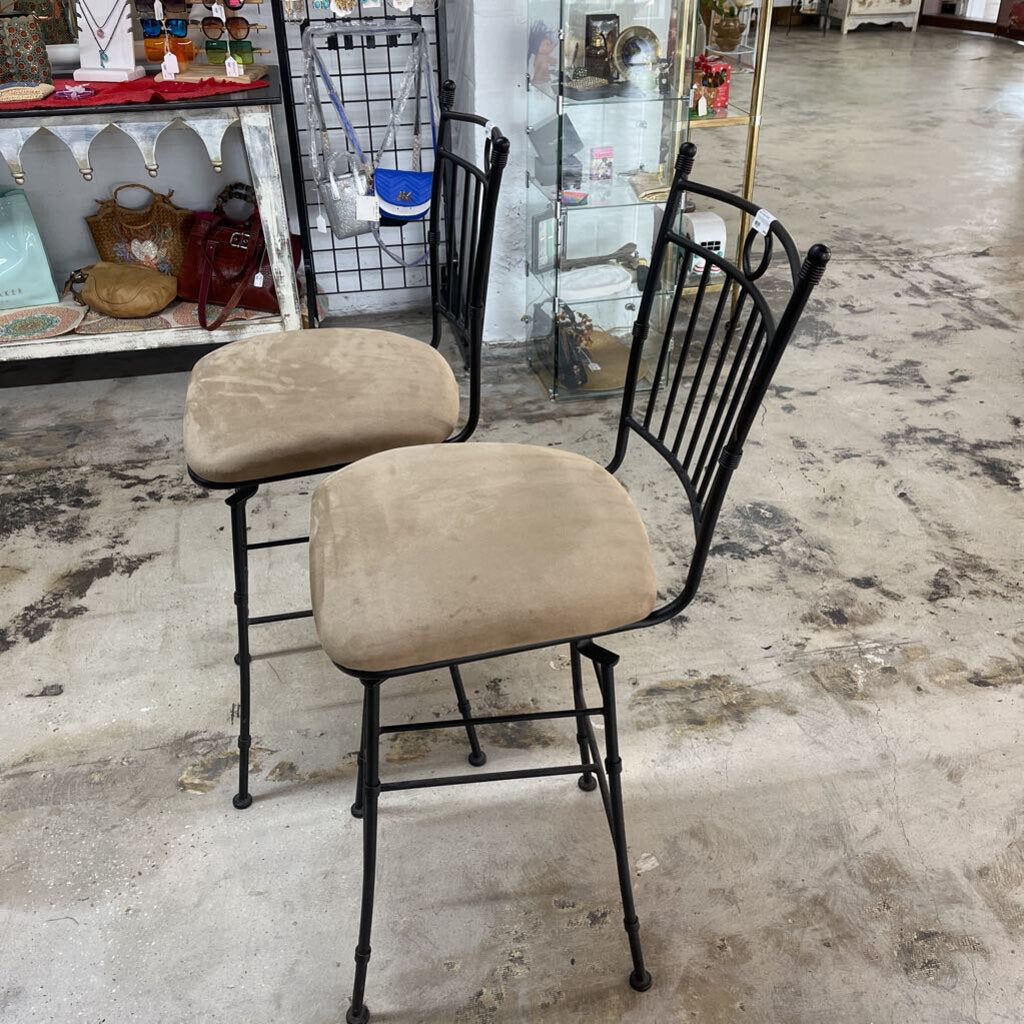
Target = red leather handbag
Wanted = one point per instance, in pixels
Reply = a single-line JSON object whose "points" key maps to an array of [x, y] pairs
{"points": [[226, 261]]}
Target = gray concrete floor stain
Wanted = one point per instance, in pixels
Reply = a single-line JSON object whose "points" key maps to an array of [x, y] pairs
{"points": [[822, 757]]}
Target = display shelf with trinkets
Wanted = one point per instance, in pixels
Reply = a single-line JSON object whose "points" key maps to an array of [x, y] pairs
{"points": [[610, 98], [209, 119]]}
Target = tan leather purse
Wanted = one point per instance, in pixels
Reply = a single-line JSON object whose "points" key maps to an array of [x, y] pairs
{"points": [[126, 291]]}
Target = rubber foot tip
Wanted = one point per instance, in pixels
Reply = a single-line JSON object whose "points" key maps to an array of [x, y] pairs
{"points": [[478, 760], [237, 662], [357, 811], [360, 1016], [642, 984], [241, 802], [587, 783]]}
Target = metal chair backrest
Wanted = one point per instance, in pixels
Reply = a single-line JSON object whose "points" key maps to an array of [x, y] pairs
{"points": [[712, 366], [460, 238]]}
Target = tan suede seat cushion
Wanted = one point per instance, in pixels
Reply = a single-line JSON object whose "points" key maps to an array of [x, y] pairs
{"points": [[305, 400], [449, 551]]}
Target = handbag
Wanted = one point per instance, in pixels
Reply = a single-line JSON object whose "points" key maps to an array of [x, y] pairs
{"points": [[22, 50], [53, 19], [124, 291], [154, 236], [343, 177], [226, 261], [25, 278]]}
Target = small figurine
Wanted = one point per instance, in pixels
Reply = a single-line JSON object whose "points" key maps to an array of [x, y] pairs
{"points": [[541, 50]]}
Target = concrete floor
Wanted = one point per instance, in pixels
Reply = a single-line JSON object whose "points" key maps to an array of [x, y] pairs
{"points": [[823, 760]]}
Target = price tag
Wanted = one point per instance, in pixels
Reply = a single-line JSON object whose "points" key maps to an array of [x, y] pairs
{"points": [[702, 106], [762, 222], [321, 223], [367, 208], [257, 281], [158, 10], [218, 12], [232, 68], [169, 66]]}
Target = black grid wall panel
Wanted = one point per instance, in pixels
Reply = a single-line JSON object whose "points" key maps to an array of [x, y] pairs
{"points": [[367, 77]]}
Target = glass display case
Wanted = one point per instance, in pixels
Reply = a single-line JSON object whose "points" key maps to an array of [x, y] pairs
{"points": [[613, 90]]}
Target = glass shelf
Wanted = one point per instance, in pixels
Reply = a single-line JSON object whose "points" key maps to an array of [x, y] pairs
{"points": [[630, 294], [601, 195], [733, 114], [573, 98], [640, 58]]}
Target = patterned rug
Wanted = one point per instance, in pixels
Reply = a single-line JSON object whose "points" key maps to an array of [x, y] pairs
{"points": [[39, 322]]}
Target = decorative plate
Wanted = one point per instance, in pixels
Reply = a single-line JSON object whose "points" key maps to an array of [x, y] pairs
{"points": [[605, 281], [38, 322], [636, 50]]}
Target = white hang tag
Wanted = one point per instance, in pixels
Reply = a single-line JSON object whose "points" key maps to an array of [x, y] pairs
{"points": [[218, 12], [702, 106], [321, 223], [257, 281], [169, 66], [763, 220], [232, 68], [158, 10], [367, 208]]}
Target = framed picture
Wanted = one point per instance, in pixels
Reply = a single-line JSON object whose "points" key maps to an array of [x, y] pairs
{"points": [[602, 33], [544, 237]]}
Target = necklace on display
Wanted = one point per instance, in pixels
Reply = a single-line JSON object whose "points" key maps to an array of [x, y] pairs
{"points": [[98, 31]]}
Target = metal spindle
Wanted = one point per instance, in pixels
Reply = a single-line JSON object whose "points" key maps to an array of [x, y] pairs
{"points": [[666, 340], [716, 372], [699, 373], [687, 340], [737, 361]]}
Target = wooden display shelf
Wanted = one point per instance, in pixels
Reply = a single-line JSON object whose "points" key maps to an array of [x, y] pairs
{"points": [[209, 119], [136, 341], [208, 72]]}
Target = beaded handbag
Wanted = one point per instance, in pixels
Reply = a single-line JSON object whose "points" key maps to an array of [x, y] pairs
{"points": [[154, 236], [22, 50], [53, 19]]}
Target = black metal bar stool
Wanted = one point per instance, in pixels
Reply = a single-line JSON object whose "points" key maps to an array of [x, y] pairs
{"points": [[300, 403], [405, 542]]}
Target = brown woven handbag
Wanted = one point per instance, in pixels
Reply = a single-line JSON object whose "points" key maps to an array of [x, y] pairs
{"points": [[154, 236]]}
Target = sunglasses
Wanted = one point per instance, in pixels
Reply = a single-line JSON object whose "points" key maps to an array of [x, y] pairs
{"points": [[183, 49], [217, 51], [229, 5], [153, 29], [237, 28]]}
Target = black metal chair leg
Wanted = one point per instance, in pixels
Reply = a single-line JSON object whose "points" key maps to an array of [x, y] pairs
{"points": [[586, 781], [357, 806], [240, 555], [604, 663], [358, 1012], [476, 757]]}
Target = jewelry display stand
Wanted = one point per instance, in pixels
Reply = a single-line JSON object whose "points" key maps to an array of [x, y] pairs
{"points": [[105, 44]]}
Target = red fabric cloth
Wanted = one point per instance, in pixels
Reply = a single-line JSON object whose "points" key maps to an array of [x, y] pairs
{"points": [[140, 90]]}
